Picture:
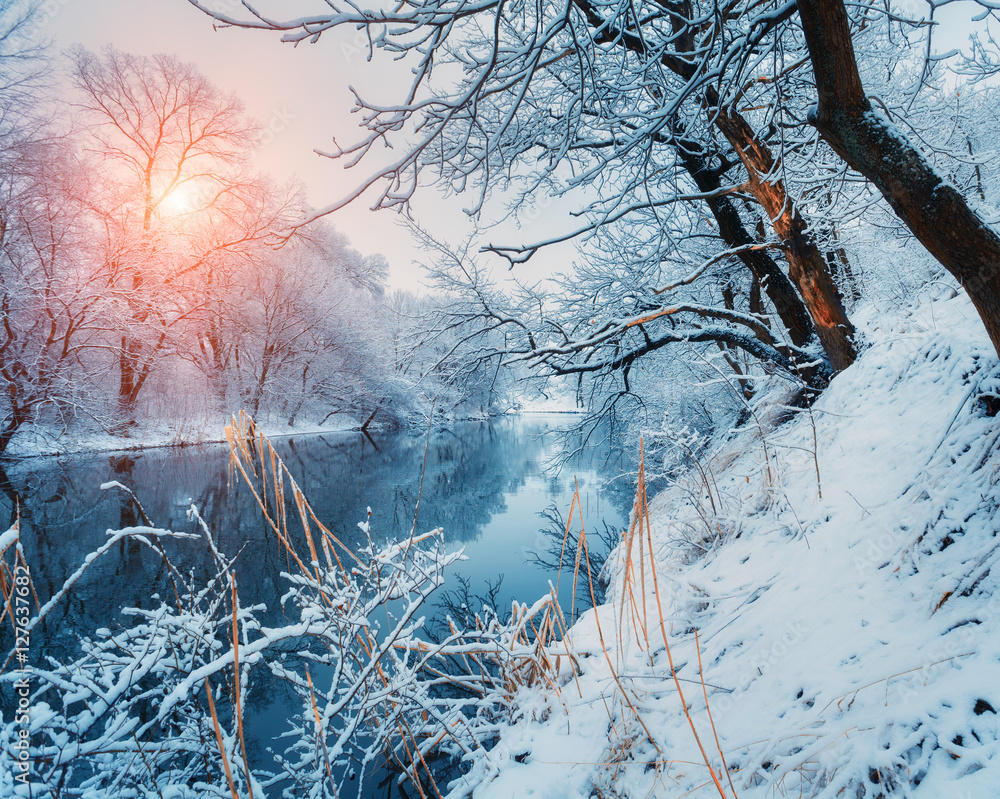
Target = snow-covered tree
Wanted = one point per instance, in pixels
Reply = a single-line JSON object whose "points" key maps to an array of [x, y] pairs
{"points": [[53, 306], [600, 106], [175, 200], [625, 105]]}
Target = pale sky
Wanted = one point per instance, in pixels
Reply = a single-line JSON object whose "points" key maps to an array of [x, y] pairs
{"points": [[301, 94]]}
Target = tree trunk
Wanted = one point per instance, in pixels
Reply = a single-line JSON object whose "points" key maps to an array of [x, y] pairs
{"points": [[806, 264], [771, 278], [257, 392], [15, 423], [135, 369], [931, 208], [130, 380]]}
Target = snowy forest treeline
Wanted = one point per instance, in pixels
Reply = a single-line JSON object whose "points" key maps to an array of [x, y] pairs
{"points": [[726, 230], [150, 275]]}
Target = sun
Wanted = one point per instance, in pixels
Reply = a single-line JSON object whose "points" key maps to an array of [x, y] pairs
{"points": [[177, 203]]}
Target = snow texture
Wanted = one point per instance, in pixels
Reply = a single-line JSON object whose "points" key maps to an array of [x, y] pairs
{"points": [[844, 594]]}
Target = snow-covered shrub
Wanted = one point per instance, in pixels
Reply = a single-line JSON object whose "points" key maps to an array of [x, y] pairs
{"points": [[157, 707], [708, 517]]}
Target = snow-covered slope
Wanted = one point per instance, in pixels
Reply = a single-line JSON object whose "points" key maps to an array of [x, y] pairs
{"points": [[844, 592]]}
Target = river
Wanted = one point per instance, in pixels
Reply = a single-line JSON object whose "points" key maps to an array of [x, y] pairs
{"points": [[488, 484]]}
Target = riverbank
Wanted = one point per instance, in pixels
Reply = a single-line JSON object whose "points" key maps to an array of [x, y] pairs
{"points": [[42, 442], [810, 609], [826, 594]]}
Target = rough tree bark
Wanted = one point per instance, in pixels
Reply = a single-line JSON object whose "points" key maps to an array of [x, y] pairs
{"points": [[927, 204], [771, 278], [807, 265]]}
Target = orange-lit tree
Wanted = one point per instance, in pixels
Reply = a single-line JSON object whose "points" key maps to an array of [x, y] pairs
{"points": [[175, 199]]}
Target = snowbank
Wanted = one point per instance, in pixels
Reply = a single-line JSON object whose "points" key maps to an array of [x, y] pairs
{"points": [[38, 440], [844, 594]]}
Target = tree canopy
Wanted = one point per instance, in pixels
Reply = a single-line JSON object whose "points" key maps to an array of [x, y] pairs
{"points": [[688, 134]]}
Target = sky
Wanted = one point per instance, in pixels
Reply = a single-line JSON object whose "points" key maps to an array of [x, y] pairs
{"points": [[301, 95]]}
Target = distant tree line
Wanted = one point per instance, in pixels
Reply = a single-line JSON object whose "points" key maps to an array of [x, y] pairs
{"points": [[147, 273]]}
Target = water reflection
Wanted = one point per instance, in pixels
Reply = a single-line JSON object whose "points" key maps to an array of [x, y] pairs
{"points": [[484, 483]]}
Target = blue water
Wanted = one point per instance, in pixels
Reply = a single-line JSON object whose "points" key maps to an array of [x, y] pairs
{"points": [[490, 485]]}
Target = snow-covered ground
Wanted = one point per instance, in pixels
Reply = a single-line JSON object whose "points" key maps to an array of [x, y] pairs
{"points": [[810, 610], [39, 440], [838, 567]]}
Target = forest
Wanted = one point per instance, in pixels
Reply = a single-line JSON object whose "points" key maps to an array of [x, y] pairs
{"points": [[153, 281], [751, 245]]}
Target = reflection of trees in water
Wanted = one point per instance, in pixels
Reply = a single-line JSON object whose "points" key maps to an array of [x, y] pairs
{"points": [[65, 515], [560, 556], [470, 469]]}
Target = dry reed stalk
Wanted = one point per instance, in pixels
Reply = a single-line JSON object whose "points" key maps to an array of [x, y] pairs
{"points": [[319, 727], [446, 733], [611, 718], [642, 589], [626, 575], [420, 756], [567, 645], [666, 644], [218, 737], [607, 657], [423, 468], [326, 553], [7, 576], [238, 444], [8, 597], [464, 656], [815, 453], [238, 433], [569, 521], [839, 699]]}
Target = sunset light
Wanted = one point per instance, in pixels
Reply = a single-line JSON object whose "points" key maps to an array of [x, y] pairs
{"points": [[179, 202], [468, 399]]}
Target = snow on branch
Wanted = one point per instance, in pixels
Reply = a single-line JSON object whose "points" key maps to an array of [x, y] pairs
{"points": [[128, 715]]}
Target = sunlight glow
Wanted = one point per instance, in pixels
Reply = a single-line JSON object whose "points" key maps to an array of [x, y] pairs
{"points": [[177, 203]]}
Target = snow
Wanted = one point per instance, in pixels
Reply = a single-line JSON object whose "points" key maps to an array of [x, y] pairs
{"points": [[38, 441], [813, 611], [846, 610], [8, 538]]}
